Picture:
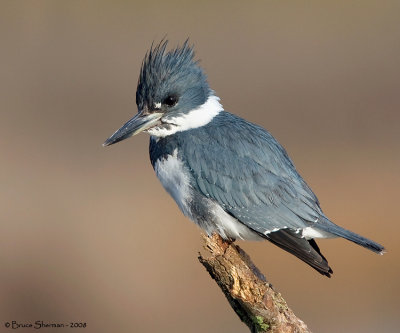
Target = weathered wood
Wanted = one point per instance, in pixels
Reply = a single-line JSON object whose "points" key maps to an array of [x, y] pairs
{"points": [[250, 295]]}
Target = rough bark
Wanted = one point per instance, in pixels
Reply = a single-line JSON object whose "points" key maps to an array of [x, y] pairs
{"points": [[250, 295]]}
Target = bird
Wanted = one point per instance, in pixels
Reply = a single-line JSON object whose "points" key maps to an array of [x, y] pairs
{"points": [[226, 174]]}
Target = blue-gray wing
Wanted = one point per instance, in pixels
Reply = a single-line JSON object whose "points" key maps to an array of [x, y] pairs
{"points": [[243, 168]]}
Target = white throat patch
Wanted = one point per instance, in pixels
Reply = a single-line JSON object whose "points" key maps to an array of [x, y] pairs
{"points": [[195, 118]]}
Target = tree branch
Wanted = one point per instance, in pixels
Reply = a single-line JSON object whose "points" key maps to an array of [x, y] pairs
{"points": [[250, 295]]}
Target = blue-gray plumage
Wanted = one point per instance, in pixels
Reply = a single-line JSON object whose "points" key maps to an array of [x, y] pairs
{"points": [[226, 174]]}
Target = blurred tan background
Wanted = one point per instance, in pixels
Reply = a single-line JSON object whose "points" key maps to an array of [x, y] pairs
{"points": [[89, 235]]}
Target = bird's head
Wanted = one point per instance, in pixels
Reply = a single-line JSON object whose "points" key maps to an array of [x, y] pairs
{"points": [[172, 94]]}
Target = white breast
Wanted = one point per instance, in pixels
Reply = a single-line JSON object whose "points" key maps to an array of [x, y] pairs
{"points": [[175, 179]]}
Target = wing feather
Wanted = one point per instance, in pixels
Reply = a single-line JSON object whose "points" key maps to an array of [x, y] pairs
{"points": [[243, 168]]}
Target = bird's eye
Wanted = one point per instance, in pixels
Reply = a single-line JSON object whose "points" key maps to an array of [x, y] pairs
{"points": [[171, 100]]}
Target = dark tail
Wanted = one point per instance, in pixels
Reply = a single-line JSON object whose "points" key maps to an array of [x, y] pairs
{"points": [[331, 227], [306, 250]]}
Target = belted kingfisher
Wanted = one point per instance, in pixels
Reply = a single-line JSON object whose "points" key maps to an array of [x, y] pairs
{"points": [[226, 174]]}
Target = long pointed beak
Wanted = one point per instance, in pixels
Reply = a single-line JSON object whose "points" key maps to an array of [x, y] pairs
{"points": [[137, 124]]}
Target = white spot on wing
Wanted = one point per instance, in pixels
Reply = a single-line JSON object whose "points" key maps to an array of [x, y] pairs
{"points": [[310, 232], [157, 105], [273, 230], [193, 119]]}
